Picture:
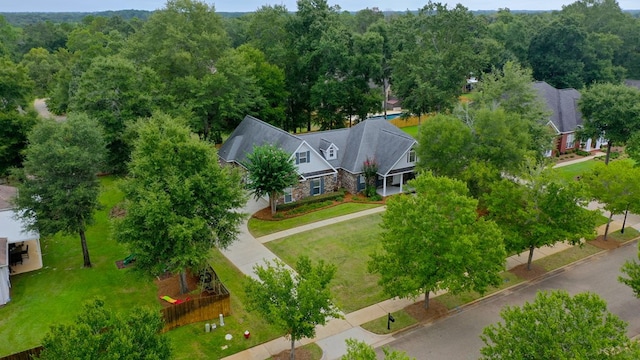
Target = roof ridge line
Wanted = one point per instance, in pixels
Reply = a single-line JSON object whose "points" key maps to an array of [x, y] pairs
{"points": [[275, 127]]}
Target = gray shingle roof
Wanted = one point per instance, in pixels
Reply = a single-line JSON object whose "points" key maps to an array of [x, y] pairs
{"points": [[253, 132], [375, 138], [563, 104], [634, 83]]}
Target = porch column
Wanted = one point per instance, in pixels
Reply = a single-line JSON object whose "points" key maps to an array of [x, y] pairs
{"points": [[587, 147], [384, 185], [401, 181]]}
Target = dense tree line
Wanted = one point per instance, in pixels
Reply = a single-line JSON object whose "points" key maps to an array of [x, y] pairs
{"points": [[313, 65]]}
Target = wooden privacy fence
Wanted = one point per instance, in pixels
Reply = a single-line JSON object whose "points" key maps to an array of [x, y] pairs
{"points": [[215, 300], [197, 309], [24, 355]]}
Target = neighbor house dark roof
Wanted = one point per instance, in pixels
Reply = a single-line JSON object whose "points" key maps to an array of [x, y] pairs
{"points": [[633, 83], [563, 104]]}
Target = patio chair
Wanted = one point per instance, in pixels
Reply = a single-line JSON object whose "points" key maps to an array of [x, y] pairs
{"points": [[25, 253]]}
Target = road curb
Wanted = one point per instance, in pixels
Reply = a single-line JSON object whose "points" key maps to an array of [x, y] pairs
{"points": [[537, 279], [527, 283]]}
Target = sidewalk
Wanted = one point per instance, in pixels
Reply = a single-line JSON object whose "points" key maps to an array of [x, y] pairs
{"points": [[249, 251]]}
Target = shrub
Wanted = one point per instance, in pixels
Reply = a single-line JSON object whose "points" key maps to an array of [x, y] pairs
{"points": [[334, 196], [583, 153]]}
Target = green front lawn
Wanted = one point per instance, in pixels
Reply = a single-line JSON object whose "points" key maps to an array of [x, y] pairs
{"points": [[571, 172], [55, 293], [346, 244], [259, 228]]}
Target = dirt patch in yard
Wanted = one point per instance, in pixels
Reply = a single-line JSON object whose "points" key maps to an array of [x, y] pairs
{"points": [[169, 284], [522, 272], [301, 354], [609, 244], [435, 311]]}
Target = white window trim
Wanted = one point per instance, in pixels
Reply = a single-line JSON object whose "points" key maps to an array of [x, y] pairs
{"points": [[319, 187], [288, 192], [411, 154], [571, 140], [303, 155]]}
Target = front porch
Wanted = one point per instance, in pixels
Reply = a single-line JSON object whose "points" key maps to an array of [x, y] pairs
{"points": [[395, 182]]}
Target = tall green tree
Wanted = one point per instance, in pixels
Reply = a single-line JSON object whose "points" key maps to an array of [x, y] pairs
{"points": [[557, 325], [631, 269], [537, 210], [445, 146], [294, 302], [510, 88], [117, 92], [16, 88], [99, 333], [8, 39], [267, 31], [42, 67], [610, 111], [270, 81], [221, 99], [435, 240], [185, 38], [271, 170], [313, 21], [59, 185], [179, 202], [616, 186], [14, 129], [557, 51], [436, 52]]}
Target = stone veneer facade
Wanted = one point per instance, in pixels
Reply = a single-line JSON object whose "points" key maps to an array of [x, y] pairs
{"points": [[303, 188], [348, 181]]}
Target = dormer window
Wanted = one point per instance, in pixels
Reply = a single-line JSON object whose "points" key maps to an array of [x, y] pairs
{"points": [[411, 156], [331, 153]]}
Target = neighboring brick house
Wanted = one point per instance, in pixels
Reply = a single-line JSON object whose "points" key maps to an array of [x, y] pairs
{"points": [[565, 118], [328, 160]]}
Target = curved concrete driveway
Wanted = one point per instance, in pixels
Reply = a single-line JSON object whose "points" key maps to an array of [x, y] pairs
{"points": [[41, 108]]}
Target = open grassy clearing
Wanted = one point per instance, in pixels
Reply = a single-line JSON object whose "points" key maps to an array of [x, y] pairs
{"points": [[260, 228], [346, 244], [55, 293]]}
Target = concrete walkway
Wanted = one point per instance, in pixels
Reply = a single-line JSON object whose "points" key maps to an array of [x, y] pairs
{"points": [[248, 252]]}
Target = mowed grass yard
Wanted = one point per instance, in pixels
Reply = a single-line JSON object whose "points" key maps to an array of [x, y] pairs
{"points": [[55, 293], [259, 227], [346, 244]]}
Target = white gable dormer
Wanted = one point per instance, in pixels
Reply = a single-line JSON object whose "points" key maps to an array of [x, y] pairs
{"points": [[331, 152]]}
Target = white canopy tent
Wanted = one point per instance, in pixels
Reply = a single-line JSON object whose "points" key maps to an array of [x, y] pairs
{"points": [[13, 231]]}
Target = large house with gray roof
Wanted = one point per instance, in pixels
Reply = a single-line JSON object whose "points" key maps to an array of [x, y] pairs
{"points": [[329, 160], [565, 118]]}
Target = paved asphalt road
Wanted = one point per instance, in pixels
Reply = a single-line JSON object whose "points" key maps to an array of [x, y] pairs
{"points": [[457, 336]]}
